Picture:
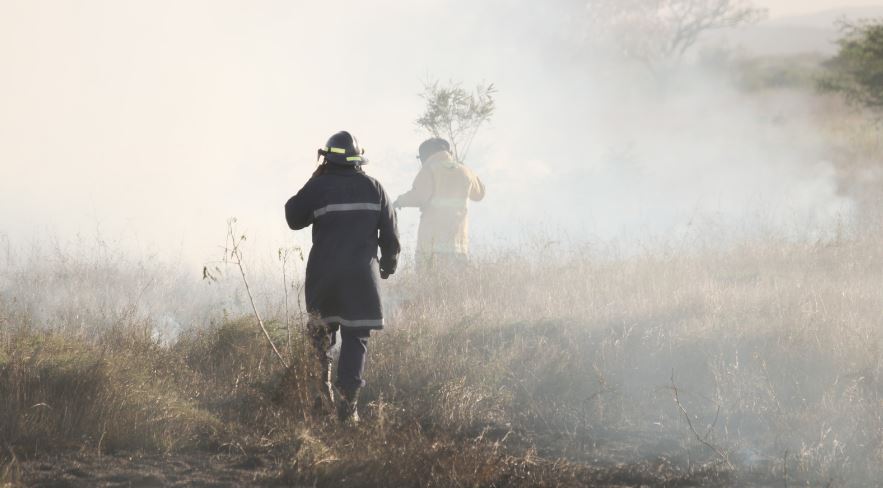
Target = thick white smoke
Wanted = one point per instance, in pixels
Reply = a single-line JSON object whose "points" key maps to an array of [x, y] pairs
{"points": [[151, 123]]}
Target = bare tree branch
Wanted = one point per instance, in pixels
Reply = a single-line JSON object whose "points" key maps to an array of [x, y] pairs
{"points": [[664, 30]]}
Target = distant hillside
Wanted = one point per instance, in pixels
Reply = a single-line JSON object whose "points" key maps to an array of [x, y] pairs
{"points": [[812, 33], [828, 18]]}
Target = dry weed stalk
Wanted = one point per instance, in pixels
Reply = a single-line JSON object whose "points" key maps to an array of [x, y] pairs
{"points": [[233, 251], [283, 257]]}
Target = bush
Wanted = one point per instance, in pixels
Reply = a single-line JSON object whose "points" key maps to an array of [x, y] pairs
{"points": [[58, 392], [857, 70]]}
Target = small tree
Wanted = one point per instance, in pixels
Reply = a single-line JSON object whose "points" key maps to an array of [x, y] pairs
{"points": [[857, 70], [456, 114], [654, 31]]}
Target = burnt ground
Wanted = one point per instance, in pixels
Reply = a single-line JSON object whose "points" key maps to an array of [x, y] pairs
{"points": [[138, 470], [203, 469]]}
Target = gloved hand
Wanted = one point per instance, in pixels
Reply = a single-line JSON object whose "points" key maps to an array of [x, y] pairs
{"points": [[387, 267]]}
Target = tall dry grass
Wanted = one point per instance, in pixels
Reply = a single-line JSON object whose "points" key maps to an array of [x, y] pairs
{"points": [[557, 366]]}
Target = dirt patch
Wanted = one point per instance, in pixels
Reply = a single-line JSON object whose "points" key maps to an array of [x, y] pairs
{"points": [[146, 471]]}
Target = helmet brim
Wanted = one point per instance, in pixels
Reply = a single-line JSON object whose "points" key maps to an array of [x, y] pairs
{"points": [[346, 160]]}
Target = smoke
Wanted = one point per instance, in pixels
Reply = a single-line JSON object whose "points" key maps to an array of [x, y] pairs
{"points": [[148, 124], [151, 123], [649, 163]]}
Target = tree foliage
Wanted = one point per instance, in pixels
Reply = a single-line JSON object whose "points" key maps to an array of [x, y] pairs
{"points": [[857, 70], [456, 114], [653, 31]]}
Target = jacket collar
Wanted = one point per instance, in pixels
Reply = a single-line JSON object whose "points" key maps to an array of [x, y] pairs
{"points": [[342, 169], [443, 158]]}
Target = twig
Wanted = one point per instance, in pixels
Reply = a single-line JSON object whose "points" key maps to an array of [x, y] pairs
{"points": [[713, 424], [704, 441], [785, 468], [299, 288], [101, 441], [283, 256]]}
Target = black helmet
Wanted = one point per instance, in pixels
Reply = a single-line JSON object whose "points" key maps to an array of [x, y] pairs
{"points": [[432, 146], [343, 148]]}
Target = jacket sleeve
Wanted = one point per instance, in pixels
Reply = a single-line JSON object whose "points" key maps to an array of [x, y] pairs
{"points": [[476, 191], [421, 191], [388, 235], [299, 208]]}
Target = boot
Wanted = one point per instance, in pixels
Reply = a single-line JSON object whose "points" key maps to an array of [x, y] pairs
{"points": [[324, 402], [322, 339], [346, 406]]}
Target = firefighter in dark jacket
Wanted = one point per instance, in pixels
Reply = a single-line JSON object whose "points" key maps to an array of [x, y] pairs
{"points": [[351, 216]]}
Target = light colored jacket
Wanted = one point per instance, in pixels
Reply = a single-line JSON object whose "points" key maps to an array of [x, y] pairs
{"points": [[441, 190]]}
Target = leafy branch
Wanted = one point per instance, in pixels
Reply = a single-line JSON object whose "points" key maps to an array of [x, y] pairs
{"points": [[455, 114]]}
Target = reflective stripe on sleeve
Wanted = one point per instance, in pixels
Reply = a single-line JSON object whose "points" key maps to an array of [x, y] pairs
{"points": [[346, 207], [353, 323]]}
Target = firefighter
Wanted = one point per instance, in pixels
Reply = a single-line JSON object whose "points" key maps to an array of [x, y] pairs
{"points": [[441, 191], [352, 216]]}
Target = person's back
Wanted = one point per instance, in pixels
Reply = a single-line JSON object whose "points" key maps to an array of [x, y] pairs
{"points": [[441, 190], [344, 205], [351, 217]]}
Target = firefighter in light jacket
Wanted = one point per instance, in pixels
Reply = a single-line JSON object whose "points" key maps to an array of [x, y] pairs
{"points": [[441, 191]]}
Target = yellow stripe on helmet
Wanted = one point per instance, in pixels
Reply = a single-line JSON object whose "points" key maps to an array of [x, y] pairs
{"points": [[336, 150], [354, 158]]}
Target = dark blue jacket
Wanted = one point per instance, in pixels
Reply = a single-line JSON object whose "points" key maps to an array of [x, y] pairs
{"points": [[351, 216]]}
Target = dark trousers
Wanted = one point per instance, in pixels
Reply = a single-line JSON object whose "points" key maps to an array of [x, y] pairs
{"points": [[353, 349]]}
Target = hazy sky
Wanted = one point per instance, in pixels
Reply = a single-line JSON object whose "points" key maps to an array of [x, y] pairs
{"points": [[152, 122], [780, 8]]}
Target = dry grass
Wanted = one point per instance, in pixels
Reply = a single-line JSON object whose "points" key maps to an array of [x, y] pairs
{"points": [[521, 372], [119, 392]]}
